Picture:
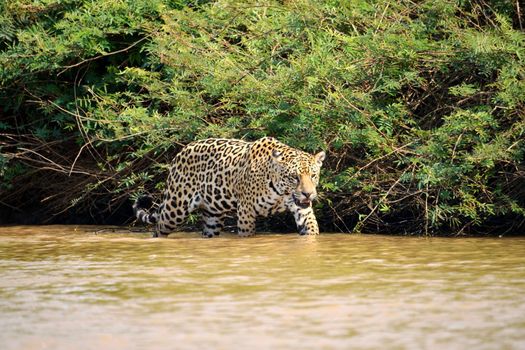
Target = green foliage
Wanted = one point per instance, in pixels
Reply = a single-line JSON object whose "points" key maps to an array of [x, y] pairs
{"points": [[419, 105]]}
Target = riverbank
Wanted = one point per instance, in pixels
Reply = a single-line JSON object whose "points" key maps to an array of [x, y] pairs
{"points": [[420, 106]]}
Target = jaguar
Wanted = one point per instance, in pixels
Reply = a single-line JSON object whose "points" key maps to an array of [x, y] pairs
{"points": [[224, 177]]}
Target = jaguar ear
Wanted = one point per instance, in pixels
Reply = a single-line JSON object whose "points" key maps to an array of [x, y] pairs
{"points": [[277, 155], [319, 157]]}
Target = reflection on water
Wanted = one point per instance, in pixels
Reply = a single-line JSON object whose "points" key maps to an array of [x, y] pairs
{"points": [[65, 287]]}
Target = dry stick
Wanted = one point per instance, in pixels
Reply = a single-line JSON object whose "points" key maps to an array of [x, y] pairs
{"points": [[379, 158], [56, 167], [80, 125], [519, 13], [10, 206], [514, 144], [426, 210], [77, 118], [78, 155], [340, 218], [361, 222], [103, 139], [405, 197], [103, 55], [453, 156], [381, 19]]}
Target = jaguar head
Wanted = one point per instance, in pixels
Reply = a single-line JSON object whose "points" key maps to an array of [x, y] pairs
{"points": [[298, 174]]}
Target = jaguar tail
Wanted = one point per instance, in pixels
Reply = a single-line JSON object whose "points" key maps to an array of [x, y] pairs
{"points": [[141, 209]]}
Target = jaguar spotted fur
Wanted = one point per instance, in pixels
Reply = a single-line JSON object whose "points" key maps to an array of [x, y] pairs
{"points": [[222, 176]]}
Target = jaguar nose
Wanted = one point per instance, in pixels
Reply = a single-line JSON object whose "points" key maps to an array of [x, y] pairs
{"points": [[308, 195]]}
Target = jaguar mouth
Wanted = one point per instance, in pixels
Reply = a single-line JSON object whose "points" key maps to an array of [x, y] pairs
{"points": [[304, 203]]}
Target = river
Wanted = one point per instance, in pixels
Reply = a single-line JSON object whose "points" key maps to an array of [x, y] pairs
{"points": [[70, 287]]}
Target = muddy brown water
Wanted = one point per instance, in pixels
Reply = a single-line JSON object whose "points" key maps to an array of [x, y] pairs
{"points": [[67, 287]]}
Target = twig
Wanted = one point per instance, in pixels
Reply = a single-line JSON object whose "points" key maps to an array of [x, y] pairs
{"points": [[426, 209], [10, 206], [382, 16], [361, 222], [46, 165], [103, 55], [453, 156], [519, 13], [379, 158], [78, 155], [339, 217]]}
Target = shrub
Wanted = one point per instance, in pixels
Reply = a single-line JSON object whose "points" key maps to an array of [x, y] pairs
{"points": [[420, 106]]}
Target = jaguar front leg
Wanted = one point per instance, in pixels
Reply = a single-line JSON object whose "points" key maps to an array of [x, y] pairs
{"points": [[305, 219], [245, 220]]}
